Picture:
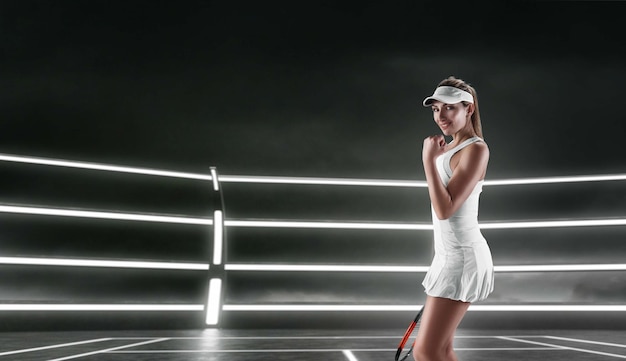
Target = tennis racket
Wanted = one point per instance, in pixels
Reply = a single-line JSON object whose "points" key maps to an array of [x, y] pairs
{"points": [[400, 355]]}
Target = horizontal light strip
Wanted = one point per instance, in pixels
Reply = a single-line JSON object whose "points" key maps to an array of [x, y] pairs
{"points": [[490, 308], [103, 215], [418, 226], [296, 180], [322, 268], [322, 224], [548, 180], [97, 307], [408, 183], [294, 268], [105, 167], [416, 269], [554, 224], [102, 263], [298, 224], [550, 308], [562, 268], [322, 181]]}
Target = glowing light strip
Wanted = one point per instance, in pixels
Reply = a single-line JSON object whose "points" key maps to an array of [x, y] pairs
{"points": [[213, 304], [292, 268], [102, 263], [322, 181], [374, 308], [415, 269], [103, 215], [296, 180], [349, 355], [554, 224], [408, 183], [417, 226], [561, 268], [547, 180], [105, 167], [217, 237], [323, 268], [299, 224], [321, 224], [216, 182], [98, 307], [549, 308]]}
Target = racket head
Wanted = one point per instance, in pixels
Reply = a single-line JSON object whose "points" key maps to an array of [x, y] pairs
{"points": [[401, 353]]}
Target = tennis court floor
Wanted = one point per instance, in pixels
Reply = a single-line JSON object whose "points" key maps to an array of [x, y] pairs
{"points": [[303, 345]]}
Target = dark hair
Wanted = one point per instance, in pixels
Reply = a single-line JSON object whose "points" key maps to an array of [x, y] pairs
{"points": [[458, 83]]}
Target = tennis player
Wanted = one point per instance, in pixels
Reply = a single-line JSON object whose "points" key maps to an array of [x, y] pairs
{"points": [[462, 269]]}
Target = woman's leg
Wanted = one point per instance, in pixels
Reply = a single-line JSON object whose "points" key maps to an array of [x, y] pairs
{"points": [[435, 335]]}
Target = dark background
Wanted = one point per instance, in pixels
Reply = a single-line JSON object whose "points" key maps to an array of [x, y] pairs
{"points": [[311, 89]]}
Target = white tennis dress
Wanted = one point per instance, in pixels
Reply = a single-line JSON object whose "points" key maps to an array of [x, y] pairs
{"points": [[462, 268]]}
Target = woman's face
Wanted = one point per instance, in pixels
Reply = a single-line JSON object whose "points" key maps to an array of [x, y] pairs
{"points": [[451, 118]]}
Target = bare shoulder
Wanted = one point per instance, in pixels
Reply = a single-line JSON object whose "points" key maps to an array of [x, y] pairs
{"points": [[478, 149]]}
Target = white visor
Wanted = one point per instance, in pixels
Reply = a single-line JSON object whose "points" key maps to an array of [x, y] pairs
{"points": [[449, 95]]}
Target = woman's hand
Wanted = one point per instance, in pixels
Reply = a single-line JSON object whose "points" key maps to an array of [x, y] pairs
{"points": [[434, 146]]}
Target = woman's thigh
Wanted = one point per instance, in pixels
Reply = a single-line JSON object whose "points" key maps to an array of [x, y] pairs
{"points": [[439, 322]]}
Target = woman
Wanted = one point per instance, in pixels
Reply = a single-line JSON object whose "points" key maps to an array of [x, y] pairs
{"points": [[462, 269]]}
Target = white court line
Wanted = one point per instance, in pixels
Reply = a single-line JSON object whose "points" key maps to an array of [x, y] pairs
{"points": [[108, 350], [329, 350], [256, 351], [53, 346], [564, 347], [399, 336], [283, 337], [587, 341]]}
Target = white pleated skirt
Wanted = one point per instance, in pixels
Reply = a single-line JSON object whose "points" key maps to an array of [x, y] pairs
{"points": [[462, 274]]}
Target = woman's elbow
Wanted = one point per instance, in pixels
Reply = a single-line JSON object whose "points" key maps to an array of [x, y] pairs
{"points": [[443, 214]]}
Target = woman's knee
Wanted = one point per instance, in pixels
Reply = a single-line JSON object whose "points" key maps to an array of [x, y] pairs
{"points": [[426, 353]]}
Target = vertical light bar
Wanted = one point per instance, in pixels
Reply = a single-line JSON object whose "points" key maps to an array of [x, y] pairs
{"points": [[218, 231], [349, 355], [216, 183], [216, 275], [213, 305]]}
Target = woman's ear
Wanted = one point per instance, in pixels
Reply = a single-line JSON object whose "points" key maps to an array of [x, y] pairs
{"points": [[470, 109]]}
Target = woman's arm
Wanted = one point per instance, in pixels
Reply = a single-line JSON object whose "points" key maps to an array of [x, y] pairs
{"points": [[468, 172]]}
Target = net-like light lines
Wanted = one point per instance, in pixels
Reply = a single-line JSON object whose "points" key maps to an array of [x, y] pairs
{"points": [[213, 307]]}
